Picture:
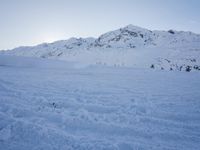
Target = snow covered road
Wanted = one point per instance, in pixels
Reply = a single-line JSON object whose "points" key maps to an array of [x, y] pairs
{"points": [[98, 108]]}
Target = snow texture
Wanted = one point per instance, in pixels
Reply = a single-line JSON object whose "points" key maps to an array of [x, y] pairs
{"points": [[55, 105]]}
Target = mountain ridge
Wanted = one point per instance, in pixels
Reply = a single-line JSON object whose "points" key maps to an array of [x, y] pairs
{"points": [[130, 46], [128, 27]]}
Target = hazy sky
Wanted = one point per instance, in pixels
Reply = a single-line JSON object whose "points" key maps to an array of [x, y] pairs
{"points": [[30, 22]]}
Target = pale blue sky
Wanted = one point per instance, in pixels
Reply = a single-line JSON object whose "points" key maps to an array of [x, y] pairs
{"points": [[30, 22]]}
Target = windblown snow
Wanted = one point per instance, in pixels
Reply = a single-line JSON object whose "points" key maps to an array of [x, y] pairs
{"points": [[111, 93]]}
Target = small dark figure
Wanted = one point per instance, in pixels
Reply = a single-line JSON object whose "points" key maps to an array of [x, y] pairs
{"points": [[181, 68], [171, 31], [54, 105], [188, 69], [196, 67], [152, 66]]}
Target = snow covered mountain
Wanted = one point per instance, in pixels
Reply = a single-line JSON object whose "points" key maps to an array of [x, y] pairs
{"points": [[130, 46], [48, 104], [134, 37]]}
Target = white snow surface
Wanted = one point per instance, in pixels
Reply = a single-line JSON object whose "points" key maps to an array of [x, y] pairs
{"points": [[55, 105], [130, 46]]}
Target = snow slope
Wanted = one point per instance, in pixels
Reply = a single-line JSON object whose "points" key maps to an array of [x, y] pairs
{"points": [[130, 46], [91, 108]]}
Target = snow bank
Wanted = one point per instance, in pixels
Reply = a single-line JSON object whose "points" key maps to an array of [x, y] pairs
{"points": [[29, 62]]}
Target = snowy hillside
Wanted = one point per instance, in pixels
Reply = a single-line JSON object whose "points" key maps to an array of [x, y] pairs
{"points": [[53, 105], [130, 46]]}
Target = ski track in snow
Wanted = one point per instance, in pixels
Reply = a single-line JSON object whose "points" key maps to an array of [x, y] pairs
{"points": [[98, 108]]}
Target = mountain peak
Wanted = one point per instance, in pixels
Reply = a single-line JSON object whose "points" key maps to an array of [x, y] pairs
{"points": [[131, 27]]}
